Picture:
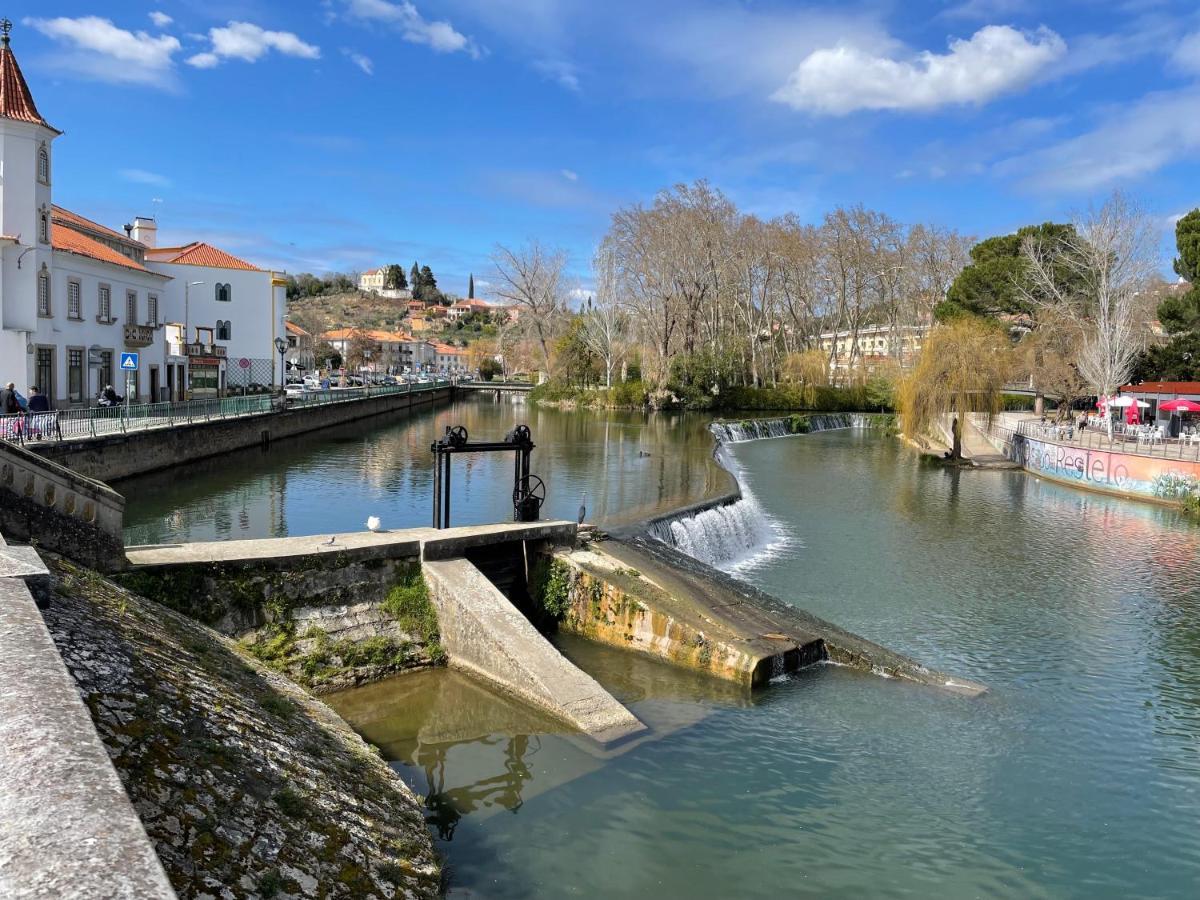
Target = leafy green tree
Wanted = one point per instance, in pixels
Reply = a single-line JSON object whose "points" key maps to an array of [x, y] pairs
{"points": [[393, 278], [1187, 241], [990, 285], [414, 278], [1178, 360], [961, 370]]}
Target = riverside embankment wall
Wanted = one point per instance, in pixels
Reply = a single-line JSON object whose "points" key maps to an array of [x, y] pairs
{"points": [[114, 457]]}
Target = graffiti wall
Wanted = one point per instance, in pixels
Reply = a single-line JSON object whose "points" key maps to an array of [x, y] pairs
{"points": [[1124, 473]]}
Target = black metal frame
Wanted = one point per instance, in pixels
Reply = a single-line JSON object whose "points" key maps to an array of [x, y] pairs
{"points": [[519, 442]]}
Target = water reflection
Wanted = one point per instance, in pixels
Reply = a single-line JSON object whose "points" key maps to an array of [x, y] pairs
{"points": [[631, 465]]}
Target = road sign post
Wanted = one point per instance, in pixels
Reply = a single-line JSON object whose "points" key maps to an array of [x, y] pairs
{"points": [[129, 365]]}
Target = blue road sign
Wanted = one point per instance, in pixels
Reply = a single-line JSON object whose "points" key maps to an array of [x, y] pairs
{"points": [[129, 362]]}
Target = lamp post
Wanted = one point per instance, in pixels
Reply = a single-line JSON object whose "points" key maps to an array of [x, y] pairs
{"points": [[187, 308], [281, 346]]}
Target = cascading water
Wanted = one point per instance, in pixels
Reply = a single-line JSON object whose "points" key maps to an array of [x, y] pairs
{"points": [[733, 534], [758, 429]]}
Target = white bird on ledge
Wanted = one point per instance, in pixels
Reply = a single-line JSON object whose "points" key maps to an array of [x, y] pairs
{"points": [[373, 523]]}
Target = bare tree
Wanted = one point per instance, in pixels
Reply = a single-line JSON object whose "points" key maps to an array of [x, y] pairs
{"points": [[605, 328], [1092, 278], [532, 277]]}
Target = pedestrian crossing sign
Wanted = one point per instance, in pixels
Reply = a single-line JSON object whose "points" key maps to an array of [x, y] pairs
{"points": [[129, 362]]}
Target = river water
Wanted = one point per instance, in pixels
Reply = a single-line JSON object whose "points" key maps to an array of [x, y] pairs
{"points": [[1077, 775]]}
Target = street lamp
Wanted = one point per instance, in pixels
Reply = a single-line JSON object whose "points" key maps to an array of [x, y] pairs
{"points": [[281, 346]]}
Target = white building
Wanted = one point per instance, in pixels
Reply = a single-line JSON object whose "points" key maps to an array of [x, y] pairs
{"points": [[230, 311], [870, 347], [74, 294], [373, 280]]}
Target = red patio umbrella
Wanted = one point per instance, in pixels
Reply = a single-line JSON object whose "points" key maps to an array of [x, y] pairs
{"points": [[1132, 415], [1180, 405]]}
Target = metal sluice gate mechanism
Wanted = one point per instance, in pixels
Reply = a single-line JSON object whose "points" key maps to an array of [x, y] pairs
{"points": [[529, 491]]}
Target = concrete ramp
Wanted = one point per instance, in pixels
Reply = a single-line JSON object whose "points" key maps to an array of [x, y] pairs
{"points": [[485, 634]]}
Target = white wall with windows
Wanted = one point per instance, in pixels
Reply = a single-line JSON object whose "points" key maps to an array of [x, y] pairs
{"points": [[242, 308], [77, 311]]}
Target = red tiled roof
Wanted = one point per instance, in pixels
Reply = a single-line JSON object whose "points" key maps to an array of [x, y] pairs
{"points": [[293, 328], [15, 100], [199, 253], [76, 221], [383, 337], [71, 241], [1163, 387]]}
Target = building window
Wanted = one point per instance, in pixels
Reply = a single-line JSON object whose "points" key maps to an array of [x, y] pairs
{"points": [[152, 309], [44, 165], [224, 329], [44, 228], [75, 374], [45, 371], [43, 293], [104, 370], [131, 307], [105, 313], [74, 303], [224, 293]]}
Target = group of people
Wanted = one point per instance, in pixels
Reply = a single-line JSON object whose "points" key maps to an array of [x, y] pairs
{"points": [[11, 402]]}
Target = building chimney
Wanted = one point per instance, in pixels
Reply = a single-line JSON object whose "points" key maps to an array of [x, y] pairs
{"points": [[145, 231]]}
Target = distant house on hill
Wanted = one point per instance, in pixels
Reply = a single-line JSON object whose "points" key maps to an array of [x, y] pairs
{"points": [[372, 281], [465, 307]]}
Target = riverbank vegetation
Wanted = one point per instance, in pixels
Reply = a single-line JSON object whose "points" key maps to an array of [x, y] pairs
{"points": [[695, 304]]}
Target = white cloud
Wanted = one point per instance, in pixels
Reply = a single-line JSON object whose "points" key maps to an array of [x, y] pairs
{"points": [[995, 60], [570, 175], [1131, 142], [249, 42], [361, 60], [99, 49], [413, 27], [559, 71], [160, 19], [141, 176], [1187, 53]]}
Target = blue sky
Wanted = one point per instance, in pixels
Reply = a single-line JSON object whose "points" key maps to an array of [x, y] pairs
{"points": [[343, 134]]}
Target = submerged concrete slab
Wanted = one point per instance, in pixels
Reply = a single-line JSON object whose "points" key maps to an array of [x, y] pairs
{"points": [[485, 634], [749, 629]]}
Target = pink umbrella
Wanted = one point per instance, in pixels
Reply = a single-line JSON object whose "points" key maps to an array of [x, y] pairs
{"points": [[1180, 405]]}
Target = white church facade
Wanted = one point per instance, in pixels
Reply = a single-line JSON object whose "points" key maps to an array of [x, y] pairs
{"points": [[75, 294]]}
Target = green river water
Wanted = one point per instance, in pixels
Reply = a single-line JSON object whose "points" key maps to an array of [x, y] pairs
{"points": [[1076, 775]]}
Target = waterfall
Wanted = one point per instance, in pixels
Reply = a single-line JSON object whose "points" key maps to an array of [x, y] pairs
{"points": [[757, 429], [719, 536]]}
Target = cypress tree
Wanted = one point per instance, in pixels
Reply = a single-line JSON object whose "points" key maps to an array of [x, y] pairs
{"points": [[471, 287]]}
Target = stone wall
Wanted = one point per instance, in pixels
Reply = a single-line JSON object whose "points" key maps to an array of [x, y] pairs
{"points": [[328, 620], [247, 786], [45, 503], [121, 456], [59, 792]]}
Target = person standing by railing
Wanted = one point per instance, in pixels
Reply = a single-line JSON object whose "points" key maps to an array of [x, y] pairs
{"points": [[9, 404]]}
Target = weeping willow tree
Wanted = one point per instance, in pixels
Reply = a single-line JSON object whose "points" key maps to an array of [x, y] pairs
{"points": [[961, 370]]}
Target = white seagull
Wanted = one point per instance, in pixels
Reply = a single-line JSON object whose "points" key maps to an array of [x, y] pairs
{"points": [[373, 523]]}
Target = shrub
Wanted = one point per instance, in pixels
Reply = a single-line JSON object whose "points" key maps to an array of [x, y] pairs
{"points": [[408, 603]]}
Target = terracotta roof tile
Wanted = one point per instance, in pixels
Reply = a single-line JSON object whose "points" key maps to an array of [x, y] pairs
{"points": [[293, 328], [199, 253], [1163, 387], [76, 221], [70, 241], [15, 100]]}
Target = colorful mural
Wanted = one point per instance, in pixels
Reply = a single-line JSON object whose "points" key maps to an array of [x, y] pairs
{"points": [[1124, 473]]}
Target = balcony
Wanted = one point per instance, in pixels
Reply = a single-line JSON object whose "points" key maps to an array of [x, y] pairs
{"points": [[139, 335], [197, 349]]}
